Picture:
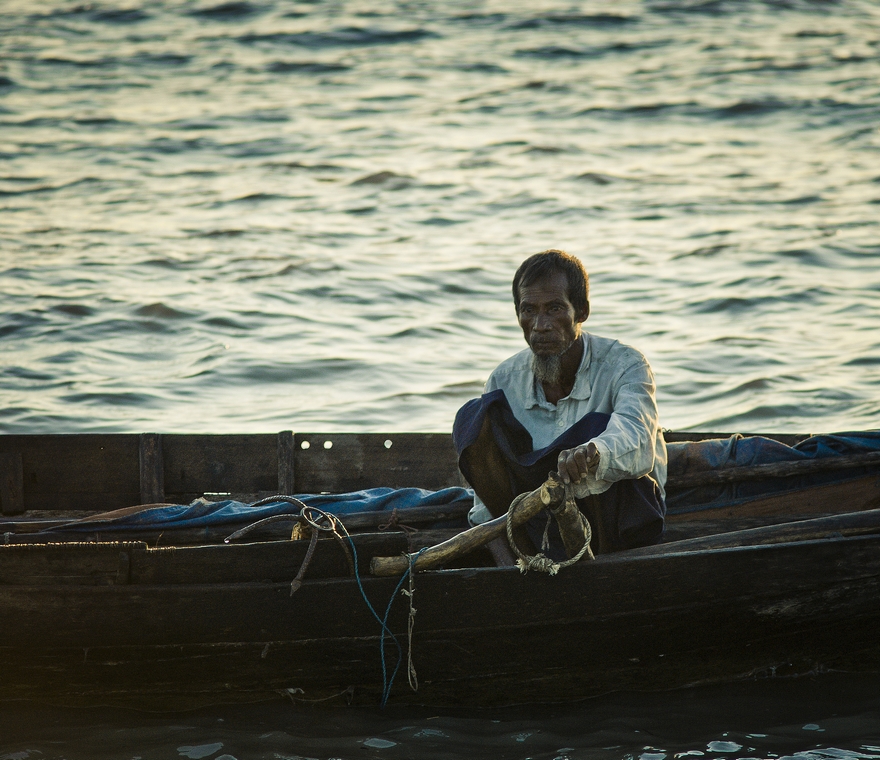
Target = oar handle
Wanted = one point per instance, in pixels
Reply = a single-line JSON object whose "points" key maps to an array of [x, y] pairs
{"points": [[551, 492]]}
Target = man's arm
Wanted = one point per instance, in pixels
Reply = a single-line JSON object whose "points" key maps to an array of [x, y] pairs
{"points": [[626, 450]]}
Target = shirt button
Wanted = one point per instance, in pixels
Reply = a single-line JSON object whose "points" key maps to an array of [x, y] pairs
{"points": [[560, 423]]}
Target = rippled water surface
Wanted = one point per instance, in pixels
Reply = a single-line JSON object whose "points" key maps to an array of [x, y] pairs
{"points": [[258, 215], [804, 719]]}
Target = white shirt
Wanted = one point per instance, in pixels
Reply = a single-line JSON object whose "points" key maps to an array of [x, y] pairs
{"points": [[612, 378]]}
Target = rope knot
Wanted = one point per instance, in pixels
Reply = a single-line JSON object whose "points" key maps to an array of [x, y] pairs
{"points": [[538, 562]]}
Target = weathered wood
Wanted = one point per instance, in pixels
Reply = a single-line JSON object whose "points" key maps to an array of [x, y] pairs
{"points": [[754, 578], [101, 471], [651, 622], [67, 564], [574, 528], [500, 551], [271, 562], [152, 469], [286, 463], [338, 462], [797, 504], [218, 465], [87, 563], [774, 470], [549, 493], [834, 526], [11, 483], [75, 472]]}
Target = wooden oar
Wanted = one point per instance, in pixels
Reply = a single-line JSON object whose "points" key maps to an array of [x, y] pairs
{"points": [[773, 470], [552, 492]]}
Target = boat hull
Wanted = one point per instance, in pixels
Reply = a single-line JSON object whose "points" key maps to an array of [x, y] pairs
{"points": [[482, 636]]}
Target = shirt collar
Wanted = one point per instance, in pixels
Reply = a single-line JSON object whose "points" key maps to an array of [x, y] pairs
{"points": [[582, 389]]}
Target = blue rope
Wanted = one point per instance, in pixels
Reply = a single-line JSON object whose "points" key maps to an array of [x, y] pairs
{"points": [[386, 682]]}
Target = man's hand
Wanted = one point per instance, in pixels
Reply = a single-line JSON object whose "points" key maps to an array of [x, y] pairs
{"points": [[575, 463]]}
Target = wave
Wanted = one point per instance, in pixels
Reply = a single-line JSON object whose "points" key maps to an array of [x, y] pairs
{"points": [[387, 179], [305, 67], [576, 19], [351, 36], [106, 398], [159, 310], [74, 309], [231, 11]]}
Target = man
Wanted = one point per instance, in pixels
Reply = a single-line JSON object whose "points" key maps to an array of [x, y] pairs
{"points": [[571, 402]]}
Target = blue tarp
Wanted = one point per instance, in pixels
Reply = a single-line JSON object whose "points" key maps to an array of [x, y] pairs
{"points": [[201, 514], [687, 458]]}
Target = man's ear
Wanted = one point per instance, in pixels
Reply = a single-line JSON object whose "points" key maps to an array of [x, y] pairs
{"points": [[584, 315]]}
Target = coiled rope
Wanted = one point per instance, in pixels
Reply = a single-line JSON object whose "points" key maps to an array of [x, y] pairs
{"points": [[541, 561]]}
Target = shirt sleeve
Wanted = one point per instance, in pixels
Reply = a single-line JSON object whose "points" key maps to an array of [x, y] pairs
{"points": [[627, 447]]}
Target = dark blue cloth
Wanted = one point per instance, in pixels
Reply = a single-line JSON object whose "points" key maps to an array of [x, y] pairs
{"points": [[201, 514], [686, 458], [514, 441], [632, 511]]}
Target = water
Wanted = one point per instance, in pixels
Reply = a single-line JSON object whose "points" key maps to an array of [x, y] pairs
{"points": [[808, 719], [253, 216], [258, 215]]}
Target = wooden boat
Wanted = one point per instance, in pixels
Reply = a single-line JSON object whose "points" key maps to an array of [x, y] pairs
{"points": [[784, 583]]}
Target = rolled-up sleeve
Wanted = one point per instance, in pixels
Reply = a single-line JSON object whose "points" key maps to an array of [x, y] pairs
{"points": [[627, 448]]}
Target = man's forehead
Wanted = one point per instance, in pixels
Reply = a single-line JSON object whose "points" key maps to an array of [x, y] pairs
{"points": [[551, 285]]}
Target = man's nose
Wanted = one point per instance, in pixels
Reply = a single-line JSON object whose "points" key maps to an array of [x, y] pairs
{"points": [[542, 323]]}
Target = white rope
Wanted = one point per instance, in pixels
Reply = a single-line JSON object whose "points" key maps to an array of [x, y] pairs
{"points": [[411, 621], [540, 561]]}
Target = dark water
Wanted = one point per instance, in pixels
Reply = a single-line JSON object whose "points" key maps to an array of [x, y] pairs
{"points": [[256, 215], [810, 718]]}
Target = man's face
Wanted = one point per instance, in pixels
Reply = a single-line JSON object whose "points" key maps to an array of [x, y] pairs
{"points": [[547, 318]]}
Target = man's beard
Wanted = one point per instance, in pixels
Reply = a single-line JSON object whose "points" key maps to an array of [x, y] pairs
{"points": [[547, 369]]}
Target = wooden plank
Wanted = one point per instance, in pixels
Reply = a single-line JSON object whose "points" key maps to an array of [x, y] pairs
{"points": [[180, 677], [341, 462], [152, 469], [11, 483], [270, 562], [773, 470], [286, 464], [833, 526], [185, 676], [649, 622], [774, 585], [77, 472], [798, 504], [219, 464], [80, 564]]}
